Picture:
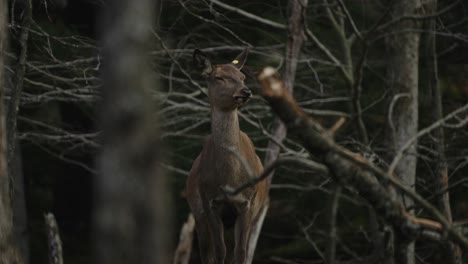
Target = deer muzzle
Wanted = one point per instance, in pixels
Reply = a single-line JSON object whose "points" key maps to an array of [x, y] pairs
{"points": [[243, 95]]}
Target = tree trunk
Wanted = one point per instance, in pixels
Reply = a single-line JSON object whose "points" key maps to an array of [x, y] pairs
{"points": [[20, 226], [330, 252], [402, 77], [296, 38], [132, 204], [20, 215], [184, 249], [452, 251], [53, 239], [8, 251]]}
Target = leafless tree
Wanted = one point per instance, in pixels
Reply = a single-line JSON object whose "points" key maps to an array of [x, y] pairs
{"points": [[441, 167], [8, 251], [403, 46], [132, 207], [14, 154]]}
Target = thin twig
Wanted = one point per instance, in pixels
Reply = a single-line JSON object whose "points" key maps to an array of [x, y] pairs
{"points": [[441, 122], [320, 168], [249, 15], [214, 23]]}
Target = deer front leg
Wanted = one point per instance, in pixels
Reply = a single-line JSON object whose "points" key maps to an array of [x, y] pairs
{"points": [[216, 227], [255, 232], [204, 239], [242, 232]]}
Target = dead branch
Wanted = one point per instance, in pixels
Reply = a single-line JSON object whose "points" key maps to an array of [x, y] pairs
{"points": [[349, 168], [53, 239], [296, 37], [182, 253], [249, 15], [433, 126], [320, 168]]}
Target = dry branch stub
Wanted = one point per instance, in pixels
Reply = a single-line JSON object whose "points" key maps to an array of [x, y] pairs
{"points": [[184, 249], [53, 239]]}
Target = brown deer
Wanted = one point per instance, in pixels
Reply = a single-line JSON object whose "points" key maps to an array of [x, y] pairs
{"points": [[228, 159]]}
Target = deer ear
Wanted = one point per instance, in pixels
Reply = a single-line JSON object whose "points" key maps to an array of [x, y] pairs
{"points": [[202, 63], [239, 61]]}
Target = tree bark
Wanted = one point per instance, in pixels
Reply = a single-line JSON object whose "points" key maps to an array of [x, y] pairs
{"points": [[452, 251], [330, 252], [402, 77], [15, 95], [296, 37], [53, 239], [8, 252], [184, 249], [132, 212], [20, 214], [14, 154]]}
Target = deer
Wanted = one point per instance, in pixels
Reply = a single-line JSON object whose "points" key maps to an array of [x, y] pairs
{"points": [[227, 160]]}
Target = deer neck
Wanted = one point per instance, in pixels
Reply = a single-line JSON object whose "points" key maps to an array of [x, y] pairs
{"points": [[225, 130], [225, 134]]}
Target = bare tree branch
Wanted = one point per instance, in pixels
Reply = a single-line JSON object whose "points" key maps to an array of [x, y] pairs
{"points": [[351, 168], [422, 132], [319, 168], [441, 167], [249, 15]]}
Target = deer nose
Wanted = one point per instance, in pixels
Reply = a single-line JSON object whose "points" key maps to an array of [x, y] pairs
{"points": [[246, 91]]}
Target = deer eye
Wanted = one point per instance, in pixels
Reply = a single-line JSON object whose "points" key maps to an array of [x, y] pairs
{"points": [[219, 78]]}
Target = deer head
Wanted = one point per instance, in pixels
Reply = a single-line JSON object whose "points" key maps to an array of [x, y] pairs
{"points": [[226, 88]]}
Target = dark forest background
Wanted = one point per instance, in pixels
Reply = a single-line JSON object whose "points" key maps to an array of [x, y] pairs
{"points": [[58, 119]]}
